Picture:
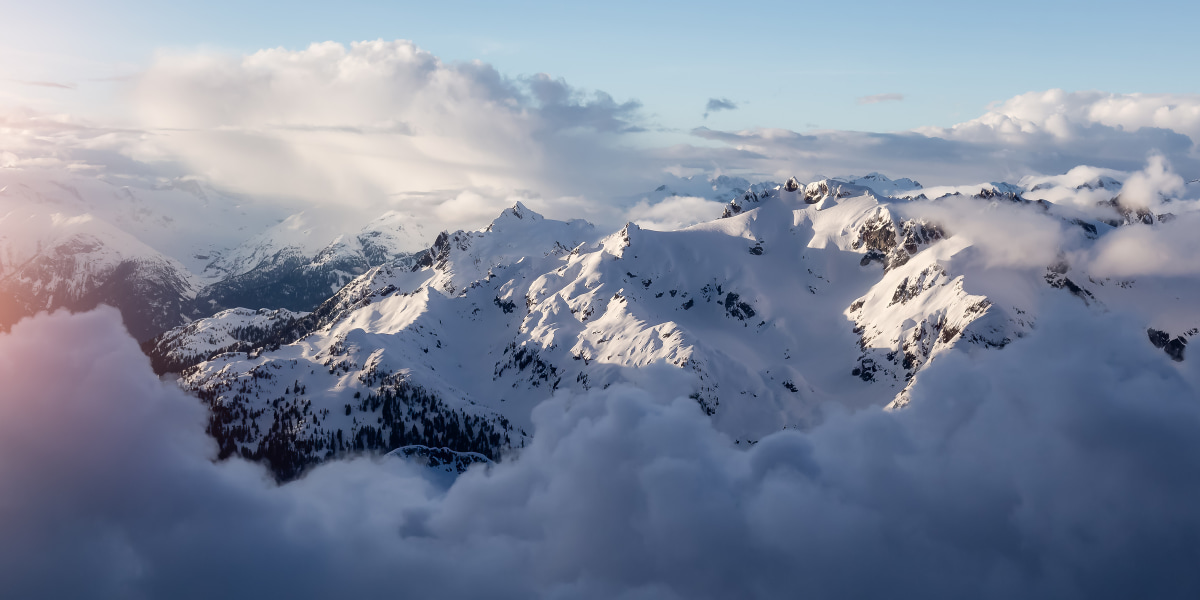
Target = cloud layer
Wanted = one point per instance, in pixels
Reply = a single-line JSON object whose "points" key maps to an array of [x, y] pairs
{"points": [[383, 125], [1037, 133], [366, 123], [1008, 477]]}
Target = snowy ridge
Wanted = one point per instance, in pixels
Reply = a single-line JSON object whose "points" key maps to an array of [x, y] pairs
{"points": [[302, 260], [182, 218], [233, 330], [826, 292], [838, 291], [722, 188], [50, 260], [369, 338], [165, 252]]}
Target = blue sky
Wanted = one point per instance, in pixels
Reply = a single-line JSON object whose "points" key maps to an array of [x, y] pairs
{"points": [[790, 65]]}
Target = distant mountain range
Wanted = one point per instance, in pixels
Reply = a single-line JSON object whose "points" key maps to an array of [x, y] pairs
{"points": [[799, 295]]}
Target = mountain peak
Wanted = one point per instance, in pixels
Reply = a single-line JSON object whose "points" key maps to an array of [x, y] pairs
{"points": [[518, 212]]}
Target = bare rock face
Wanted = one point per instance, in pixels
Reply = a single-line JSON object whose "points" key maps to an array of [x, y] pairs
{"points": [[791, 185], [894, 243], [1174, 347], [816, 192], [1158, 338], [747, 201]]}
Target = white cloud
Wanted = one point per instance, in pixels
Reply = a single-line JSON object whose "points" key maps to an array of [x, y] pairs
{"points": [[1036, 133], [674, 212], [377, 126], [1148, 188], [1166, 249], [371, 123], [1061, 114], [1004, 234], [1010, 476], [359, 125]]}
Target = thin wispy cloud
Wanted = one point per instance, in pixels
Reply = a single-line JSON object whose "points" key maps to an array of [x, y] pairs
{"points": [[877, 98], [47, 84], [719, 104]]}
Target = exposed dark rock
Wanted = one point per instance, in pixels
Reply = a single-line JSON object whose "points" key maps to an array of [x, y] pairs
{"points": [[745, 202], [453, 460], [877, 233], [884, 244], [1158, 338], [993, 194], [1175, 347], [737, 309], [505, 305], [1055, 276], [1088, 228], [816, 192]]}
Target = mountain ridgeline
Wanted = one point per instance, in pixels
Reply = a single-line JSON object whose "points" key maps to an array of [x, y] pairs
{"points": [[50, 259], [800, 295]]}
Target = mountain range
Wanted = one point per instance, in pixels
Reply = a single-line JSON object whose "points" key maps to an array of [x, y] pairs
{"points": [[309, 344]]}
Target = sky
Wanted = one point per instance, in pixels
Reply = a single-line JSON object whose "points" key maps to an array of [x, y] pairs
{"points": [[451, 112], [792, 65]]}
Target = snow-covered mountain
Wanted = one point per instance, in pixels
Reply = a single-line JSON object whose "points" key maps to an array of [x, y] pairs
{"points": [[50, 260], [802, 295], [721, 188], [301, 261], [165, 253]]}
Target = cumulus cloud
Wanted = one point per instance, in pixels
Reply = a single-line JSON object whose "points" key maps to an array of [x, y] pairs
{"points": [[377, 126], [717, 105], [1067, 478], [360, 125], [1060, 113], [877, 98], [1002, 234], [1037, 133], [1146, 189]]}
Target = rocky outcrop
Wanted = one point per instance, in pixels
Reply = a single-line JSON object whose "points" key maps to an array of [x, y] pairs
{"points": [[1173, 346]]}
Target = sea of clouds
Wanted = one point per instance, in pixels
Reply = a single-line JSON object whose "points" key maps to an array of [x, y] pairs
{"points": [[1066, 468]]}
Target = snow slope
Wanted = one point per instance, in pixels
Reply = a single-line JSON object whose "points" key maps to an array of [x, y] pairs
{"points": [[801, 297], [51, 259], [168, 251]]}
